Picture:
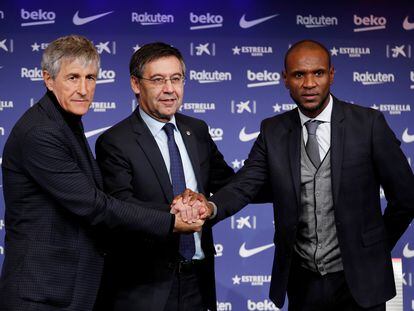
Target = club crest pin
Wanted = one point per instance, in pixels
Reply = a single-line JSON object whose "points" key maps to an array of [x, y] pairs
{"points": [[188, 133]]}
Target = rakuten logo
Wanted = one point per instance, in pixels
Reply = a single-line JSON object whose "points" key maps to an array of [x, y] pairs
{"points": [[369, 23], [34, 74], [316, 21], [265, 78], [209, 76], [38, 17], [261, 305], [106, 76], [146, 19], [205, 21], [367, 78]]}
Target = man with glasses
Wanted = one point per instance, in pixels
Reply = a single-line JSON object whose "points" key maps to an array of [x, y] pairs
{"points": [[152, 156]]}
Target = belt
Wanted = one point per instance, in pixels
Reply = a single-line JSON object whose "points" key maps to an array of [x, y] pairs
{"points": [[186, 266]]}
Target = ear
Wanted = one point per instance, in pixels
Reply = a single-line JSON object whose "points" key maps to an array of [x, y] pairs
{"points": [[135, 86], [331, 74], [48, 80]]}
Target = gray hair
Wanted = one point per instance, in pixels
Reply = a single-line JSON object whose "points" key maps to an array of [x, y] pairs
{"points": [[73, 47]]}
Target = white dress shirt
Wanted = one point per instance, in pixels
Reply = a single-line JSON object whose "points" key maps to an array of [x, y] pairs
{"points": [[156, 129]]}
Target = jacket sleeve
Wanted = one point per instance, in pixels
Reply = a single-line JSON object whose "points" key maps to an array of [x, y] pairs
{"points": [[246, 184], [51, 163]]}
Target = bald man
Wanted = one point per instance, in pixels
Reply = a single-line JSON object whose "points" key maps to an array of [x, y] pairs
{"points": [[324, 162]]}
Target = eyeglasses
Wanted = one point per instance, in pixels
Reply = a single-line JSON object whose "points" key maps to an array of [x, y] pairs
{"points": [[161, 81]]}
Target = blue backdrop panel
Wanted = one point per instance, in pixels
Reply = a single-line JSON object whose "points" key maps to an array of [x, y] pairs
{"points": [[234, 55]]}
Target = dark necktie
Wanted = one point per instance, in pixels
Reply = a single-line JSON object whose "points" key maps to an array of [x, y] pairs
{"points": [[187, 247], [312, 145]]}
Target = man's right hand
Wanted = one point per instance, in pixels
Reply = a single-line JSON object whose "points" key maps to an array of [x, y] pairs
{"points": [[191, 206], [182, 226]]}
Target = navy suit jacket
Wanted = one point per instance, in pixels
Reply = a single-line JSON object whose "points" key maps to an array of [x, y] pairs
{"points": [[364, 155], [55, 214], [141, 269]]}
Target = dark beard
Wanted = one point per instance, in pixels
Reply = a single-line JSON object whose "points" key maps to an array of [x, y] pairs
{"points": [[313, 109]]}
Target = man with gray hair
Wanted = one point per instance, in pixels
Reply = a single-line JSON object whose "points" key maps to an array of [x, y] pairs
{"points": [[56, 212]]}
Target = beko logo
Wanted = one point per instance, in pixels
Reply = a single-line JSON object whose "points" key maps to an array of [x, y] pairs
{"points": [[209, 76], [264, 78], [34, 74], [6, 104], [205, 21], [146, 19], [367, 78], [369, 23], [216, 133], [106, 76], [265, 305], [38, 17], [316, 21]]}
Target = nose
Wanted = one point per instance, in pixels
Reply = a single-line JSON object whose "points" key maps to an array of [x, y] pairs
{"points": [[309, 81], [168, 87], [82, 87]]}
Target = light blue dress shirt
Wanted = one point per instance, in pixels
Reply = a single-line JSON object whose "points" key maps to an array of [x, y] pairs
{"points": [[160, 137]]}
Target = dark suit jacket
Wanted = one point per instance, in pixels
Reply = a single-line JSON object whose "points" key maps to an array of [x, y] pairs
{"points": [[54, 209], [140, 268], [364, 155]]}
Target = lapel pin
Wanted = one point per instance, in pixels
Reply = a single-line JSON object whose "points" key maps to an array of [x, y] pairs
{"points": [[188, 133]]}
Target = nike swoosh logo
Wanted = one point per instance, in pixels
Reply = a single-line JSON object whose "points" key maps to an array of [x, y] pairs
{"points": [[408, 253], [243, 136], [407, 138], [96, 132], [84, 20], [407, 25], [248, 24], [243, 252]]}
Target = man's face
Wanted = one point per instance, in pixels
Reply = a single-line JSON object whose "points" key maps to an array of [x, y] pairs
{"points": [[160, 101], [308, 78], [74, 85]]}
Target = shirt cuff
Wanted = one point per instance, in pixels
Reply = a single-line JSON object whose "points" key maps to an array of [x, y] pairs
{"points": [[214, 214]]}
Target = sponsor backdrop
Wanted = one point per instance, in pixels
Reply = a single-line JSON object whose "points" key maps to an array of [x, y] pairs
{"points": [[233, 52]]}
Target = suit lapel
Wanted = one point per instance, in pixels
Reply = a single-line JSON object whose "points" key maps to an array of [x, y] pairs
{"points": [[148, 144], [295, 139], [191, 146], [337, 145], [85, 161]]}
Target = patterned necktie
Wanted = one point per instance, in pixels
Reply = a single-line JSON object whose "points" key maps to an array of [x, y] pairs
{"points": [[312, 145], [187, 247]]}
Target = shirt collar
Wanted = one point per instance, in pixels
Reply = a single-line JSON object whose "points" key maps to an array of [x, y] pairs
{"points": [[154, 125], [324, 116]]}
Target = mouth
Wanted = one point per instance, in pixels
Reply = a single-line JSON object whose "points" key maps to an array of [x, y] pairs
{"points": [[310, 96], [168, 101]]}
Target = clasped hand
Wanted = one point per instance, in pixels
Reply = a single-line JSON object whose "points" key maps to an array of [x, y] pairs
{"points": [[191, 209]]}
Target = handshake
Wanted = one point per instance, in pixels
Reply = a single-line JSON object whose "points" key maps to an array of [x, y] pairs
{"points": [[191, 209]]}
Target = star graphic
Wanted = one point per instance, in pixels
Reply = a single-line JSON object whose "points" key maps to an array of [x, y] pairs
{"points": [[136, 47], [334, 51], [236, 50], [276, 108], [236, 163], [236, 280], [35, 47], [374, 107]]}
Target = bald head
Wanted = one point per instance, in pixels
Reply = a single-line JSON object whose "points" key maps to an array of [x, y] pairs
{"points": [[308, 45]]}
